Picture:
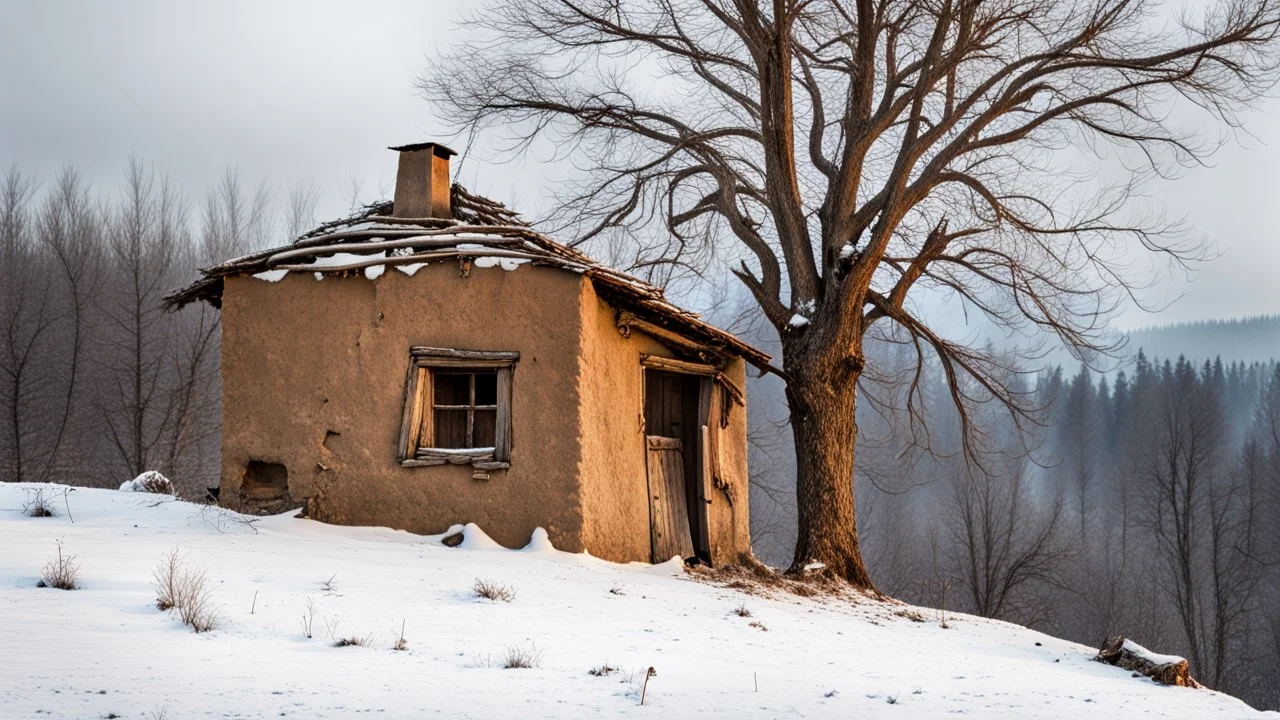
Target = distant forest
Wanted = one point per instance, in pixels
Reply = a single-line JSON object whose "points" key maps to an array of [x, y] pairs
{"points": [[1147, 505], [1252, 339], [97, 382]]}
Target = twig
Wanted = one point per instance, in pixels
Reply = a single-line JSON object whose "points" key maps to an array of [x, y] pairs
{"points": [[645, 687], [255, 602]]}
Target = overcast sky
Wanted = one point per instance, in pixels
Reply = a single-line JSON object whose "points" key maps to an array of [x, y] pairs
{"points": [[289, 91]]}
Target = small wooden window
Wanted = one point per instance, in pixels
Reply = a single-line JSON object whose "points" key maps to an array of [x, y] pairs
{"points": [[457, 408]]}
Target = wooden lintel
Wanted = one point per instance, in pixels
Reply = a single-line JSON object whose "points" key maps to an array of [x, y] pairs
{"points": [[681, 366], [628, 321], [443, 356]]}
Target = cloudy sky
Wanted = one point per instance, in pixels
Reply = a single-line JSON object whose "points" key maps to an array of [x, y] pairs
{"points": [[313, 91]]}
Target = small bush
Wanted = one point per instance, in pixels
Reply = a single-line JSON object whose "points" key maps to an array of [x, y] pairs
{"points": [[758, 625], [742, 611], [309, 617], [193, 601], [490, 590], [519, 658], [38, 504], [60, 573], [602, 671], [165, 580], [352, 641]]}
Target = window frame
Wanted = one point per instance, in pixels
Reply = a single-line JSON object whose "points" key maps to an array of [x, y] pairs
{"points": [[419, 407]]}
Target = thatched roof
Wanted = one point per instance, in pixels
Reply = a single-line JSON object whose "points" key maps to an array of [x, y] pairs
{"points": [[480, 229]]}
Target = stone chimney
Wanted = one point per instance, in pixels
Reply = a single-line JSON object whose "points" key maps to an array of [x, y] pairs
{"points": [[422, 182]]}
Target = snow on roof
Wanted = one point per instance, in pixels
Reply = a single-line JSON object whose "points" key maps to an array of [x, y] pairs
{"points": [[482, 230]]}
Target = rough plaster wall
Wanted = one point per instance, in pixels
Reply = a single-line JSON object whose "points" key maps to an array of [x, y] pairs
{"points": [[615, 489], [305, 359], [614, 482]]}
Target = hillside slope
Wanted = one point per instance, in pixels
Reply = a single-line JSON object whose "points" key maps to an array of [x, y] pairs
{"points": [[106, 651]]}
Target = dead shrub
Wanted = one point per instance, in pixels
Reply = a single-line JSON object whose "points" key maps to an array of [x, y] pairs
{"points": [[742, 611], [193, 600], [353, 641], [602, 670], [38, 504], [490, 590], [60, 573], [165, 579], [401, 643], [309, 617], [519, 658]]}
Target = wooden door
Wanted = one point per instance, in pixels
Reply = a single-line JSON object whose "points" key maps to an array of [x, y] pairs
{"points": [[668, 510]]}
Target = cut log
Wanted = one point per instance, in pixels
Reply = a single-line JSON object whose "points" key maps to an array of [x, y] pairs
{"points": [[1164, 669]]}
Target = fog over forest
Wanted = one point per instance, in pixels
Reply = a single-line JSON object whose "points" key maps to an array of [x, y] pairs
{"points": [[1146, 500]]}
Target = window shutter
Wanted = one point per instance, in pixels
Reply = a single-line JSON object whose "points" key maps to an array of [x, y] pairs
{"points": [[502, 428], [426, 432]]}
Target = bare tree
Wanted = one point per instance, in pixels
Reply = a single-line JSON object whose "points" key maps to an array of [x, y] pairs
{"points": [[71, 232], [234, 222], [24, 309], [843, 158], [143, 242], [300, 213]]}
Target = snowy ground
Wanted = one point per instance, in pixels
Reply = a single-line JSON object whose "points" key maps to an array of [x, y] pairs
{"points": [[106, 651]]}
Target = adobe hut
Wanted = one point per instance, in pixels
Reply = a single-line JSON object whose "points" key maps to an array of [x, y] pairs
{"points": [[433, 361]]}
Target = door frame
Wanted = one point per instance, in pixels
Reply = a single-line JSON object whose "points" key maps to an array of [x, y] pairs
{"points": [[702, 480]]}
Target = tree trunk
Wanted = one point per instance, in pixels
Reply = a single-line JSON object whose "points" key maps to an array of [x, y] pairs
{"points": [[822, 395]]}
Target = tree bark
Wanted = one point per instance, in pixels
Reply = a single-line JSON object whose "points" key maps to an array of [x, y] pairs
{"points": [[822, 395]]}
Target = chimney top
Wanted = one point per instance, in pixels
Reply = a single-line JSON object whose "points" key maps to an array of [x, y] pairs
{"points": [[422, 181], [437, 148]]}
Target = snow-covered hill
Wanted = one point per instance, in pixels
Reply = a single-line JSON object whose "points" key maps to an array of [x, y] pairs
{"points": [[105, 650]]}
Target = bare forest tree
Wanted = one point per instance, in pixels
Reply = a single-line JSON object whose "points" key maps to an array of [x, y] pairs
{"points": [[97, 382], [843, 158], [144, 238]]}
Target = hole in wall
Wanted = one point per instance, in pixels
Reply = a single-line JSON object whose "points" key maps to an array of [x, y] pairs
{"points": [[265, 481]]}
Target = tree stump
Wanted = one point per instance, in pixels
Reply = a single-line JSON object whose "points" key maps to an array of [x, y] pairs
{"points": [[1164, 669]]}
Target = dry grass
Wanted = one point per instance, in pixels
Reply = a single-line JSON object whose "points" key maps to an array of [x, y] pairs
{"points": [[353, 641], [309, 617], [519, 658], [753, 577], [602, 670], [401, 643], [165, 579], [61, 572], [38, 504], [194, 601], [490, 590], [184, 591], [742, 611]]}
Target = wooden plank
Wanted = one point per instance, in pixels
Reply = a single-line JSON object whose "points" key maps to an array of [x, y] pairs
{"points": [[657, 362], [426, 417], [502, 426], [669, 529], [409, 432], [628, 320], [657, 442], [443, 356], [706, 484]]}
